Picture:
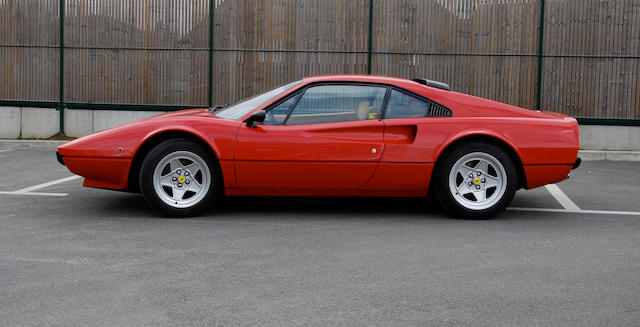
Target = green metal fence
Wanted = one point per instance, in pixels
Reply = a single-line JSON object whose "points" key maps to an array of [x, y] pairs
{"points": [[581, 58]]}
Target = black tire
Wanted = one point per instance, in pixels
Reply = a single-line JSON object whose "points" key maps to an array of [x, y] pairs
{"points": [[465, 204], [179, 151]]}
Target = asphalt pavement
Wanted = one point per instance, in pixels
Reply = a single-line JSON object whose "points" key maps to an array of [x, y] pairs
{"points": [[73, 256]]}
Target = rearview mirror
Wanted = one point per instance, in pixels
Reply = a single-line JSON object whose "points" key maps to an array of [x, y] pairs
{"points": [[258, 117]]}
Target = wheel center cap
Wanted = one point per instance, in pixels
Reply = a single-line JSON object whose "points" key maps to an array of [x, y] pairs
{"points": [[477, 181], [181, 179]]}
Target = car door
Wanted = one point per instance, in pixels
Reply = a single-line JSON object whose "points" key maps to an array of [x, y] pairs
{"points": [[411, 136], [413, 129], [325, 136]]}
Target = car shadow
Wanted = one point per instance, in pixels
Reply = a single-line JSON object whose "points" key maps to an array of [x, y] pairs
{"points": [[329, 206], [134, 205], [122, 205]]}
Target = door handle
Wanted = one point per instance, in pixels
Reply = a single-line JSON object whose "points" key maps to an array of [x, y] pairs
{"points": [[400, 134]]}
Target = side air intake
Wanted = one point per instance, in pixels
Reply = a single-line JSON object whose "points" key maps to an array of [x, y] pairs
{"points": [[436, 84], [436, 110]]}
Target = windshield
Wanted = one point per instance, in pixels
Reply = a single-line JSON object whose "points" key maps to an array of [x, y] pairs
{"points": [[238, 110]]}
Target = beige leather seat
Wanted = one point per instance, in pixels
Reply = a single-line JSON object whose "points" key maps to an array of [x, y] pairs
{"points": [[362, 111]]}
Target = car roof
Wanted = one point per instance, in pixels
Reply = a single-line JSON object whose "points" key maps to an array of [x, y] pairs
{"points": [[358, 78], [407, 84]]}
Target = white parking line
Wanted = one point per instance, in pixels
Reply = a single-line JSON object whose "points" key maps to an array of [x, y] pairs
{"points": [[43, 185], [570, 207], [28, 190], [599, 212], [607, 212], [45, 260], [34, 193], [5, 150], [562, 198]]}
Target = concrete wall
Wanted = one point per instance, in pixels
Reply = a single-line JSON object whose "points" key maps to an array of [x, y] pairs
{"points": [[10, 122], [27, 123], [618, 138], [31, 123], [80, 122]]}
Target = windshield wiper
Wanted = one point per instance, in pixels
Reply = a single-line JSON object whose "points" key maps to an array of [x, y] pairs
{"points": [[214, 109]]}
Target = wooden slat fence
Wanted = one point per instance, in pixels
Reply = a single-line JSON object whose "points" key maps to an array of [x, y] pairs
{"points": [[156, 52], [28, 52]]}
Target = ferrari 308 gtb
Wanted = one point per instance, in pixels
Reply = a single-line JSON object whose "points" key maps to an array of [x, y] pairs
{"points": [[343, 135]]}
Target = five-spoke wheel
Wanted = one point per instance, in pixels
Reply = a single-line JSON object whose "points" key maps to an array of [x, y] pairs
{"points": [[475, 180], [181, 179], [178, 178]]}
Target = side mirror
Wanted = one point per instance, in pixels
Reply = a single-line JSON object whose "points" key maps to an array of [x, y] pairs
{"points": [[258, 117]]}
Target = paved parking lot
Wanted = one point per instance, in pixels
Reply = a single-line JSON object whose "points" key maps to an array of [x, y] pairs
{"points": [[562, 255]]}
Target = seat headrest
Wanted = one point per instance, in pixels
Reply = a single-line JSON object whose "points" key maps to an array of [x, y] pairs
{"points": [[362, 111]]}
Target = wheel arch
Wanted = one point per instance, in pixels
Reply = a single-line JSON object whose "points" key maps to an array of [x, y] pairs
{"points": [[485, 138], [150, 142]]}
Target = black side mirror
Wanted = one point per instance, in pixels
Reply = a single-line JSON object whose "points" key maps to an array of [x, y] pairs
{"points": [[258, 117]]}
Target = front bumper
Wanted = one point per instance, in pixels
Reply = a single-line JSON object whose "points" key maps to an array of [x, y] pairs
{"points": [[101, 172]]}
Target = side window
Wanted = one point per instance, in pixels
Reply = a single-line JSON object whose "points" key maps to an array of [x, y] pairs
{"points": [[278, 114], [402, 105], [337, 103]]}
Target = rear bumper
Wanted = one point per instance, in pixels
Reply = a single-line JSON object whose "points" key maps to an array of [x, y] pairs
{"points": [[539, 175], [577, 163]]}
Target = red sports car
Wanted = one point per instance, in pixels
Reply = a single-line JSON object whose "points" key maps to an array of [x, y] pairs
{"points": [[344, 135]]}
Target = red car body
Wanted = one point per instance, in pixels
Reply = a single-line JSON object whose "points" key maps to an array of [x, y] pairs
{"points": [[378, 157]]}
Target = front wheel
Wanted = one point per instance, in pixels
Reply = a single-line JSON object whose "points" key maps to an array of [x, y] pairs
{"points": [[476, 181], [178, 179]]}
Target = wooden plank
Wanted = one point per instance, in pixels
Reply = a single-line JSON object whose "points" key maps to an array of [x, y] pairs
{"points": [[592, 87]]}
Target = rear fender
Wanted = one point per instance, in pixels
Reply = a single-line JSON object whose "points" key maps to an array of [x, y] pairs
{"points": [[484, 135], [470, 134]]}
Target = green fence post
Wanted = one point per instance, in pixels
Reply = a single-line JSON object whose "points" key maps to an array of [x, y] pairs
{"points": [[370, 48], [61, 77], [540, 56], [210, 83]]}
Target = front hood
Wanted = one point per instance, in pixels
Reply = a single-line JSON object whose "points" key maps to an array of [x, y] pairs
{"points": [[123, 140], [185, 112]]}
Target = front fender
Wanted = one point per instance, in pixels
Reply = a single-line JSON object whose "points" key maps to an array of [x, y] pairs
{"points": [[104, 158]]}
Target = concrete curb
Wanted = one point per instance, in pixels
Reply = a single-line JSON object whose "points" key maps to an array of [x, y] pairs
{"points": [[30, 144], [586, 155], [596, 155]]}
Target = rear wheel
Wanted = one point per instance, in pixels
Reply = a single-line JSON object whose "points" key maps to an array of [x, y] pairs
{"points": [[179, 179], [476, 181]]}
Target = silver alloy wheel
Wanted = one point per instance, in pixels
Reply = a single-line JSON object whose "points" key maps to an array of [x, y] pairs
{"points": [[181, 179], [477, 181]]}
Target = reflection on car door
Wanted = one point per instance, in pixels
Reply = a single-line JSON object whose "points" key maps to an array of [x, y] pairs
{"points": [[330, 139]]}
